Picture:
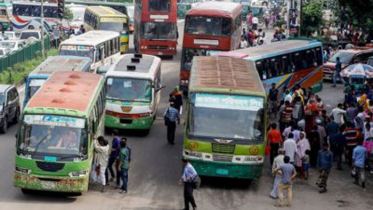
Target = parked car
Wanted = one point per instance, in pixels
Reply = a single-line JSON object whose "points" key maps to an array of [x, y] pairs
{"points": [[9, 106], [26, 34], [12, 45], [11, 35], [3, 52]]}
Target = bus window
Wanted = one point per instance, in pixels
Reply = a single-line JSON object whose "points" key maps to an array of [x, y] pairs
{"points": [[213, 26], [285, 65], [274, 67], [297, 61], [35, 11], [319, 56], [259, 68], [310, 59], [160, 5], [267, 68]]}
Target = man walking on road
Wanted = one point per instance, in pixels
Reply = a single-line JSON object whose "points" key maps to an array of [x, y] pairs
{"points": [[123, 166], [286, 184], [337, 73], [290, 148], [274, 140], [171, 115], [359, 155], [325, 164], [189, 174]]}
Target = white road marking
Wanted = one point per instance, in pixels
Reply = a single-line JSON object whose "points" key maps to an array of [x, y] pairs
{"points": [[180, 21]]}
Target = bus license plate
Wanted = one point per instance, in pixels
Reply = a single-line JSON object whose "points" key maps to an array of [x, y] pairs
{"points": [[222, 171], [48, 185]]}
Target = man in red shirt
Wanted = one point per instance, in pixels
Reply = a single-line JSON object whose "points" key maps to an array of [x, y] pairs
{"points": [[352, 135], [274, 139]]}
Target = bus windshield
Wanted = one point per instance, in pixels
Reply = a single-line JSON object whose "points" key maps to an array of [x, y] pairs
{"points": [[129, 89], [226, 116], [158, 31], [34, 85], [160, 5], [345, 57], [214, 26], [53, 135], [78, 50], [112, 26], [188, 55]]}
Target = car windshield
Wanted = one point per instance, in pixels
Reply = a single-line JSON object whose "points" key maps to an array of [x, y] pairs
{"points": [[128, 89], [78, 12], [158, 31], [26, 35], [8, 45], [159, 5], [226, 116], [34, 85], [112, 26], [188, 54], [53, 135], [214, 26], [2, 52], [1, 99], [78, 50], [345, 57], [357, 80], [10, 35]]}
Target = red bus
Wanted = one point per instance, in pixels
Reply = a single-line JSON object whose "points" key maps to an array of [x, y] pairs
{"points": [[156, 27], [211, 27]]}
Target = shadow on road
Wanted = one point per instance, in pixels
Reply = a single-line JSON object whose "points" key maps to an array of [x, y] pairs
{"points": [[228, 183], [43, 196]]}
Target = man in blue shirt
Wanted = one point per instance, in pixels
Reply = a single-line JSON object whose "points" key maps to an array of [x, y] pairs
{"points": [[325, 164], [337, 73], [189, 174], [359, 155], [171, 116], [115, 149], [286, 184]]}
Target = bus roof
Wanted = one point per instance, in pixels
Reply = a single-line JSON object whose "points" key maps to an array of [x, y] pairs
{"points": [[62, 63], [104, 11], [216, 9], [277, 47], [67, 90], [34, 3], [135, 66], [224, 73], [91, 38]]}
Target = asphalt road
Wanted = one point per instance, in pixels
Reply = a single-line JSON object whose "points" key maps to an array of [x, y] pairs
{"points": [[156, 169]]}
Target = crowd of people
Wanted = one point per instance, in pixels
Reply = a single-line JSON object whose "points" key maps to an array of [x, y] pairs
{"points": [[303, 135]]}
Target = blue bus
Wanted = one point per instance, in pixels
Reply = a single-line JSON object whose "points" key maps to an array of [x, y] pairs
{"points": [[52, 64]]}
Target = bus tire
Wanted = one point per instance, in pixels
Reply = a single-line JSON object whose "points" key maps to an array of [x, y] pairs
{"points": [[16, 116], [31, 27], [4, 127], [26, 191]]}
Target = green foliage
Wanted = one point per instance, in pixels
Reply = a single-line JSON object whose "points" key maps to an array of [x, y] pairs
{"points": [[67, 14], [312, 18], [19, 71], [280, 23]]}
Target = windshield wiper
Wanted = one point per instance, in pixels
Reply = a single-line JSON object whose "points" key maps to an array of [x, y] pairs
{"points": [[41, 141]]}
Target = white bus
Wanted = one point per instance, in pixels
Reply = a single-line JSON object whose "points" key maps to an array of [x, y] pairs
{"points": [[133, 92], [26, 15], [102, 47]]}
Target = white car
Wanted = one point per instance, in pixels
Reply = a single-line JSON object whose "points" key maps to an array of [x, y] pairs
{"points": [[12, 45], [3, 52], [10, 34], [26, 34]]}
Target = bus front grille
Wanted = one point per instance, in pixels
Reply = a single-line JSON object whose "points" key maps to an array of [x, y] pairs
{"points": [[51, 167], [222, 158], [158, 47], [223, 148]]}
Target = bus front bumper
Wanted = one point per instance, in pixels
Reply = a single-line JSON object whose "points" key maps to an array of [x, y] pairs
{"points": [[129, 123], [229, 170], [47, 183]]}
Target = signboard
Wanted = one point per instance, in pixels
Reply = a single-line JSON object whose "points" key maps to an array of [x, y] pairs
{"points": [[163, 17], [74, 47], [235, 102], [54, 120], [37, 82], [206, 42], [113, 19], [56, 34]]}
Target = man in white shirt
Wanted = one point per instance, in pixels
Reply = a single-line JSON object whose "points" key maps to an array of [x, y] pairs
{"points": [[101, 147], [255, 23], [290, 147], [338, 114]]}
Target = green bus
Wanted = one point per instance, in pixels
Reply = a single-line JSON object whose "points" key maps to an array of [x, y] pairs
{"points": [[224, 133], [5, 15], [54, 149]]}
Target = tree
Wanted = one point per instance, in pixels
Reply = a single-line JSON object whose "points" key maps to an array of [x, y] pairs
{"points": [[312, 17], [67, 14]]}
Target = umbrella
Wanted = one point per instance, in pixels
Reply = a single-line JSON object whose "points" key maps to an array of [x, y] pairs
{"points": [[359, 68]]}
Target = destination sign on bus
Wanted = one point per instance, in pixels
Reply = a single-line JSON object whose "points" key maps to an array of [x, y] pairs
{"points": [[53, 120], [237, 102], [114, 19], [74, 47], [206, 42], [37, 82]]}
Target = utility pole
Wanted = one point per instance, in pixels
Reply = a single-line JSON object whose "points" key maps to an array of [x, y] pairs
{"points": [[42, 30], [300, 16]]}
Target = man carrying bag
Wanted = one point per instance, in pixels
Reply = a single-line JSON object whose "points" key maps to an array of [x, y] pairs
{"points": [[171, 115], [191, 181]]}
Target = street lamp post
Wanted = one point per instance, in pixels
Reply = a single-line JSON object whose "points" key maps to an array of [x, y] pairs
{"points": [[42, 30]]}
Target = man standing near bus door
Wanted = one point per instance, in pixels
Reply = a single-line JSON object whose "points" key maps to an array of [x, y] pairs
{"points": [[189, 174], [171, 115], [113, 159], [337, 73]]}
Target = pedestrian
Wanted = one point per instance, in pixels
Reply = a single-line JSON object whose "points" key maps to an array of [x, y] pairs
{"points": [[302, 146], [286, 183], [338, 145], [255, 22], [359, 156], [177, 98], [171, 116], [314, 138], [279, 160], [306, 164], [113, 159], [274, 139], [351, 112], [338, 113], [243, 43], [298, 111], [81, 29], [286, 113], [337, 73], [290, 147], [189, 174], [101, 148], [324, 164], [124, 165], [352, 135]]}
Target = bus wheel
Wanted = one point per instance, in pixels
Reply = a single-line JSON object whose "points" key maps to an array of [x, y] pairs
{"points": [[4, 128], [16, 116], [26, 191], [31, 27]]}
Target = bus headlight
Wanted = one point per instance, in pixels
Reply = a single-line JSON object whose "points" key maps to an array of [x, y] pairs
{"points": [[78, 173], [23, 170]]}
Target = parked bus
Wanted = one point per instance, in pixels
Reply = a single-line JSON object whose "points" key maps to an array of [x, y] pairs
{"points": [[347, 57], [225, 129], [52, 64], [101, 47], [286, 63], [121, 7], [210, 27], [54, 149], [26, 15], [5, 15], [156, 27], [133, 85], [108, 19]]}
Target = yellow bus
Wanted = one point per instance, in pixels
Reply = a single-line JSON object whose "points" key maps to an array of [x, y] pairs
{"points": [[108, 19]]}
